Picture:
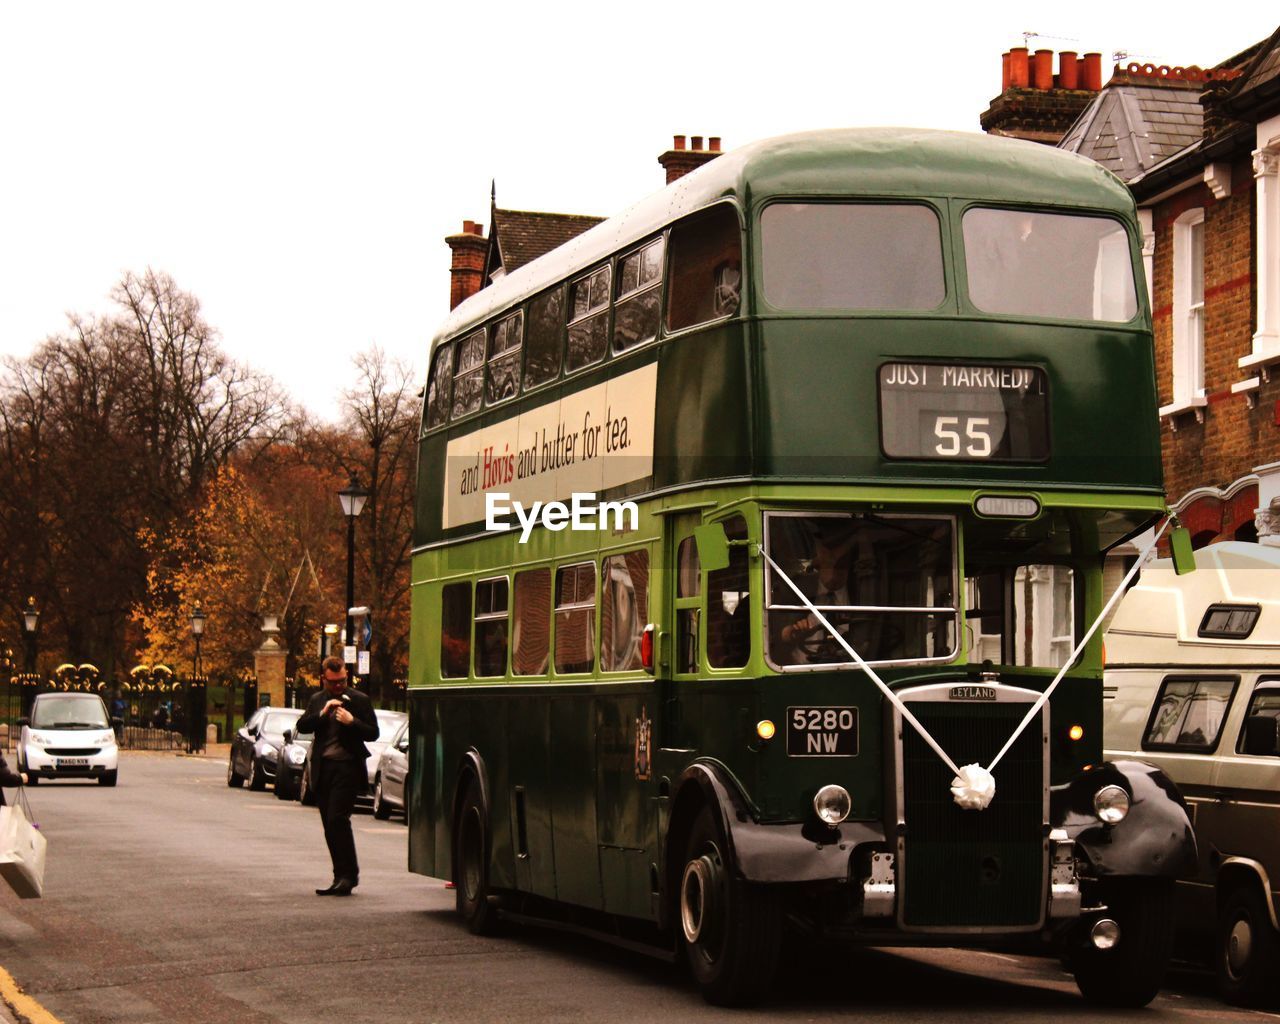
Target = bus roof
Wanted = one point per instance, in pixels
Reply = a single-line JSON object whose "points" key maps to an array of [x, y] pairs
{"points": [[1158, 621], [840, 161]]}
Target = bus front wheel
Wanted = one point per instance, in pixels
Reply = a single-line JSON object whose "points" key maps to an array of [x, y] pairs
{"points": [[470, 867], [731, 929]]}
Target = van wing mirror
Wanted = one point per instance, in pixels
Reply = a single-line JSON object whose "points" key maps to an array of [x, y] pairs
{"points": [[713, 546], [1184, 559], [1262, 735]]}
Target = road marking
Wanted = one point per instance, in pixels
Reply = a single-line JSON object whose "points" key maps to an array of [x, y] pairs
{"points": [[22, 1003], [371, 831]]}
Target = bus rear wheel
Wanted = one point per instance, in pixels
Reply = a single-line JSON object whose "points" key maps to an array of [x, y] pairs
{"points": [[1130, 974], [731, 929], [470, 866]]}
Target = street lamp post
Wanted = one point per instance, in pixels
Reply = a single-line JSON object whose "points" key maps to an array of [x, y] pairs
{"points": [[195, 715], [352, 497], [30, 623]]}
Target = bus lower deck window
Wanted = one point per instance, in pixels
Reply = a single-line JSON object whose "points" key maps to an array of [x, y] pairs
{"points": [[575, 617], [491, 627], [455, 630], [531, 629], [624, 610], [729, 605]]}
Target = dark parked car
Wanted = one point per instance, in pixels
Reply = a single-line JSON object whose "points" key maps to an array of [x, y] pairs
{"points": [[291, 763], [388, 780], [255, 749]]}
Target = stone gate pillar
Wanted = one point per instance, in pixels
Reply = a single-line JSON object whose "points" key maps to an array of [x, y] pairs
{"points": [[269, 664]]}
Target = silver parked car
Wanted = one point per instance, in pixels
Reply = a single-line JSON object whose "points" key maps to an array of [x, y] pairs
{"points": [[388, 780]]}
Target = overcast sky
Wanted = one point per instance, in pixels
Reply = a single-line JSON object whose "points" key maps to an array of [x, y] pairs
{"points": [[296, 165]]}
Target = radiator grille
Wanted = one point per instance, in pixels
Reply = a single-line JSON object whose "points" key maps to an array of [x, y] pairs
{"points": [[973, 868], [72, 751]]}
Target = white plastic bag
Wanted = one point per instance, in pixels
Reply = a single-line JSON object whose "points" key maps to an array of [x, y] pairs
{"points": [[22, 850]]}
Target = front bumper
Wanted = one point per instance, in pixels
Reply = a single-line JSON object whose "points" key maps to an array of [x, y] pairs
{"points": [[69, 762]]}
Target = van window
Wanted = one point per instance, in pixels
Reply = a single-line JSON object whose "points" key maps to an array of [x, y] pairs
{"points": [[1229, 621], [1265, 703], [1189, 714]]}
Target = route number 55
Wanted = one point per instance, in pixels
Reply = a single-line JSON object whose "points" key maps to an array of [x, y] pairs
{"points": [[976, 438]]}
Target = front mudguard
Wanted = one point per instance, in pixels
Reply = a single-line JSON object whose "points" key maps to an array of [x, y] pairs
{"points": [[1155, 839], [759, 852]]}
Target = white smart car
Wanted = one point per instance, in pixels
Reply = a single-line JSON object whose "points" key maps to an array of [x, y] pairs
{"points": [[68, 736]]}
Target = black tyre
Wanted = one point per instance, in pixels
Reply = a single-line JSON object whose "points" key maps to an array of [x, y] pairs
{"points": [[381, 809], [1132, 971], [1247, 949], [108, 778], [283, 788], [305, 796], [257, 777], [471, 864], [731, 930], [32, 780], [234, 779]]}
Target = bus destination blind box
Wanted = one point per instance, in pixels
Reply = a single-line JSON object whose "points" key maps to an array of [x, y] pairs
{"points": [[964, 413]]}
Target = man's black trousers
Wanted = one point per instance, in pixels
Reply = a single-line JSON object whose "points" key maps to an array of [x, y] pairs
{"points": [[336, 797]]}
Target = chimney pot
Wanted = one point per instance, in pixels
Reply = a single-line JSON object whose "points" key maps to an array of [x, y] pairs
{"points": [[1068, 70], [713, 143], [678, 143], [1004, 71], [1043, 69], [696, 143], [1092, 72], [1018, 70]]}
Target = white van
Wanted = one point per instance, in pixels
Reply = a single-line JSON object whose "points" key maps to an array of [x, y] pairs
{"points": [[1192, 685]]}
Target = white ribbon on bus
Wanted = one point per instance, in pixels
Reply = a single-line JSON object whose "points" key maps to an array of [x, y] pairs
{"points": [[974, 786]]}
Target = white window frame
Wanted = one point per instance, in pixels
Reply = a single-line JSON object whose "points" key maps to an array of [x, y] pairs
{"points": [[1266, 171], [1188, 321]]}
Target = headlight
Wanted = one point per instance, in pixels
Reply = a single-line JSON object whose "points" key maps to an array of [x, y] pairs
{"points": [[297, 755], [832, 804], [107, 739], [40, 739], [1111, 804], [268, 751]]}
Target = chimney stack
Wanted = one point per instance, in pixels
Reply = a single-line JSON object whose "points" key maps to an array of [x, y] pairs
{"points": [[679, 161], [1035, 104], [466, 275]]}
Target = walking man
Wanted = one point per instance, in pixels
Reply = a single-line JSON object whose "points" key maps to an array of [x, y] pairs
{"points": [[341, 720]]}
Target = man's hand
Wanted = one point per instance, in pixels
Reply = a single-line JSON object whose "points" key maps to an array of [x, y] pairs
{"points": [[23, 777], [342, 716], [329, 707]]}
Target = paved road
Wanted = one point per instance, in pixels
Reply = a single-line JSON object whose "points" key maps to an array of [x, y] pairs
{"points": [[174, 898]]}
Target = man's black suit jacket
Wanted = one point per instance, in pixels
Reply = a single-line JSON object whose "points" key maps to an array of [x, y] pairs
{"points": [[363, 728]]}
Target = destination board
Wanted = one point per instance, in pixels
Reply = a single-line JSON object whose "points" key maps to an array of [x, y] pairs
{"points": [[961, 413]]}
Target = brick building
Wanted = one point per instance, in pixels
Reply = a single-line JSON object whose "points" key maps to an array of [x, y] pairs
{"points": [[1199, 149], [517, 237]]}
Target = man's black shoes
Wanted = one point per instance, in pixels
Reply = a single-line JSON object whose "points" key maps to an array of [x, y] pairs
{"points": [[340, 887]]}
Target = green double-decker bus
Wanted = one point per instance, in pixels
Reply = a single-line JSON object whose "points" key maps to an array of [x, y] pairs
{"points": [[749, 516]]}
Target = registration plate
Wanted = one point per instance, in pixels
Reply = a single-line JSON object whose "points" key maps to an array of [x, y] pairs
{"points": [[72, 762], [822, 732]]}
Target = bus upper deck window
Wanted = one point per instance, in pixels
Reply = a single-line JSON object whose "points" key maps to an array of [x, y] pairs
{"points": [[502, 377], [455, 630], [635, 318], [1067, 266], [438, 387], [705, 268], [852, 256], [588, 319], [468, 374], [575, 617], [544, 347]]}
